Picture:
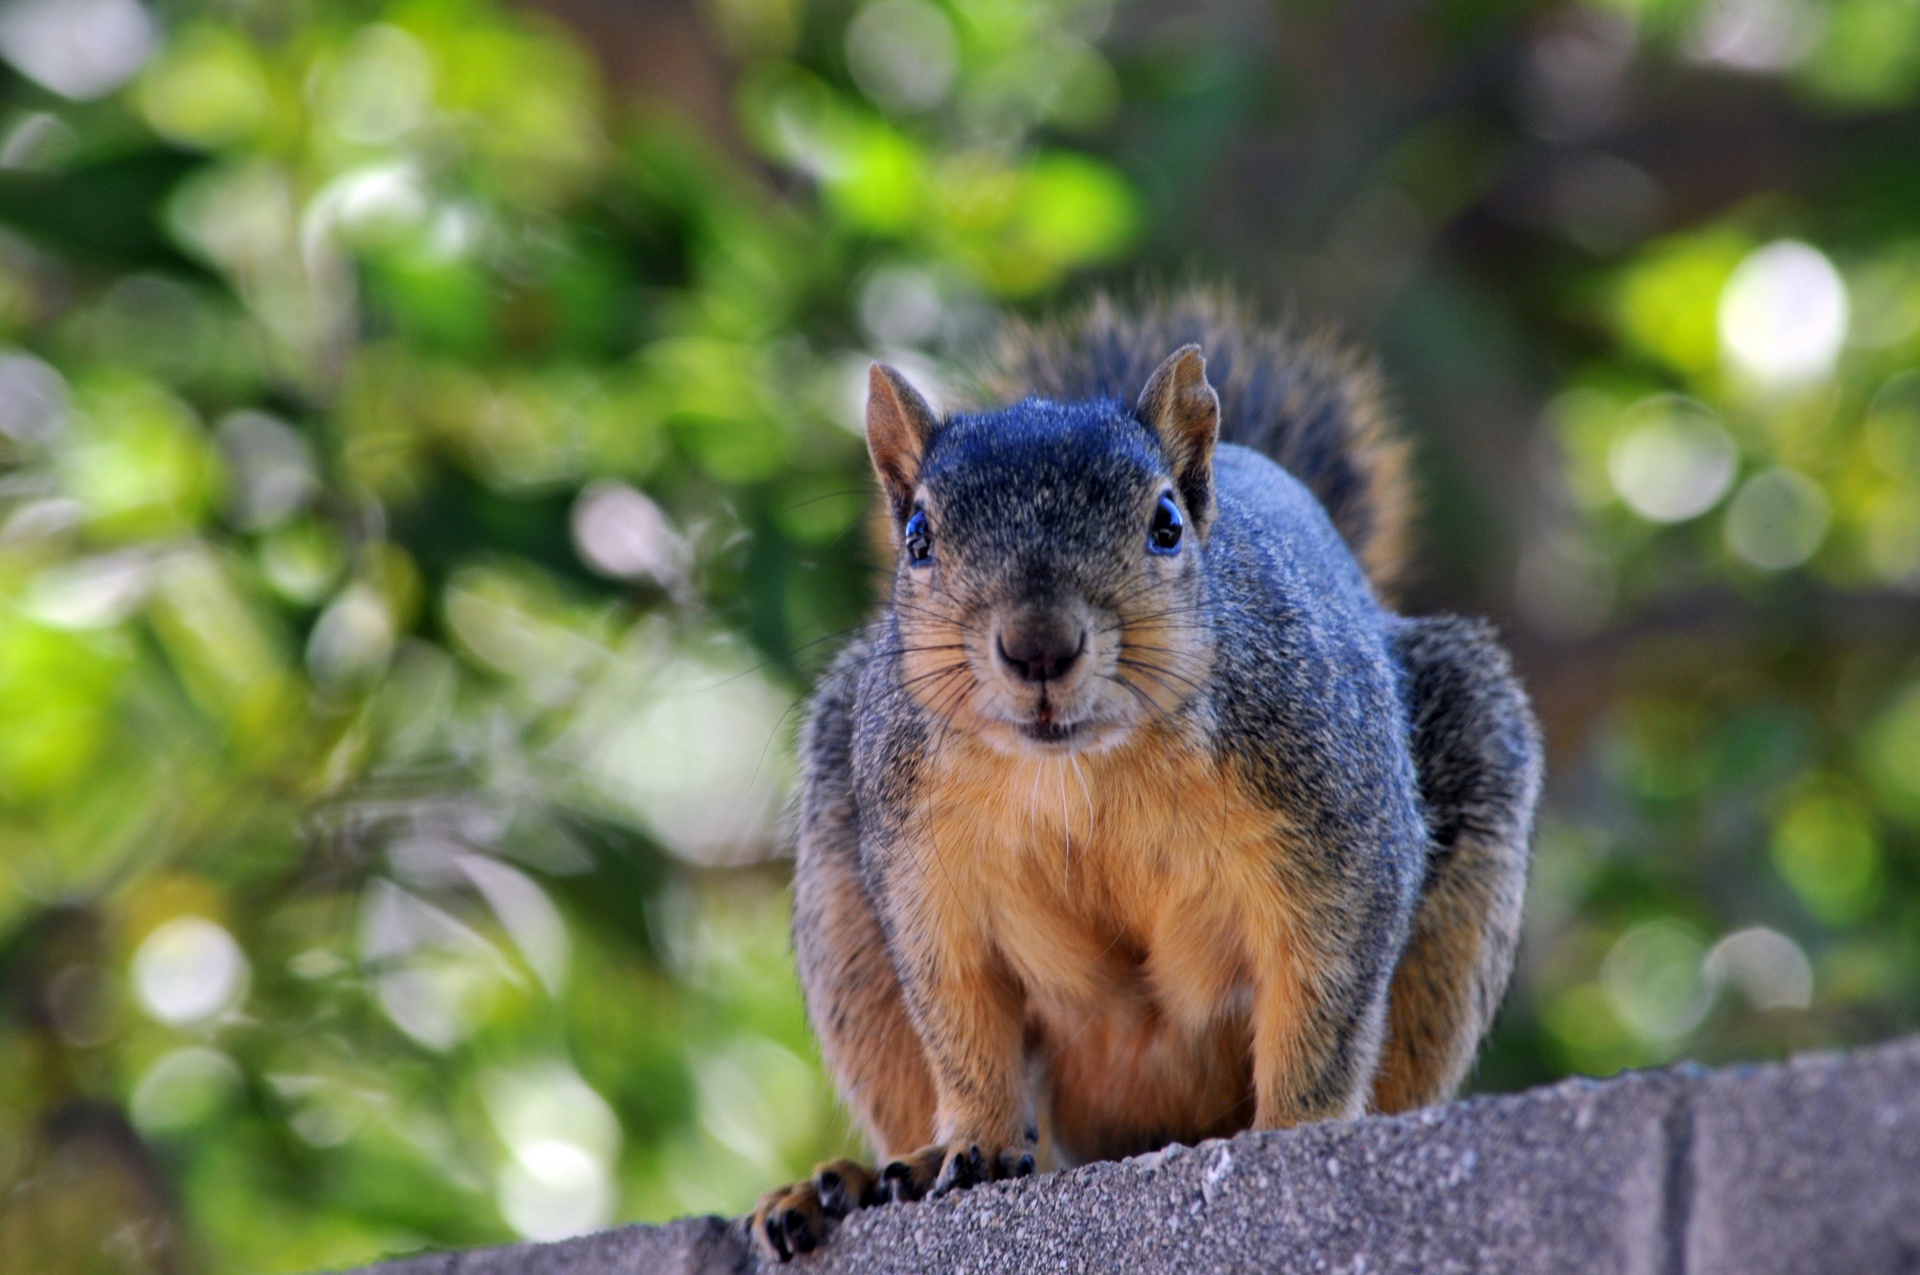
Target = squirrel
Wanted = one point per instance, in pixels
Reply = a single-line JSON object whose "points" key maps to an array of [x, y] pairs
{"points": [[1135, 816]]}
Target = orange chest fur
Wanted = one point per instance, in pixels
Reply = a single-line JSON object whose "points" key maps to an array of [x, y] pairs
{"points": [[1143, 877]]}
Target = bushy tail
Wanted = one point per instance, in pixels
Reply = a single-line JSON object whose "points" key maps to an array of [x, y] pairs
{"points": [[1314, 408]]}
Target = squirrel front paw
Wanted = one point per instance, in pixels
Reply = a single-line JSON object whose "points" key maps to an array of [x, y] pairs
{"points": [[792, 1219], [934, 1171]]}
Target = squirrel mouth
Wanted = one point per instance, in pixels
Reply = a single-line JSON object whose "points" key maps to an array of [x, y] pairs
{"points": [[1048, 731]]}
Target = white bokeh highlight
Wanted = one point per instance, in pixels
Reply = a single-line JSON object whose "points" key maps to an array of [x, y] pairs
{"points": [[274, 473], [526, 913], [33, 398], [1755, 36], [1674, 462], [1765, 966], [694, 747], [1653, 978], [188, 970], [80, 49], [623, 535], [903, 54], [353, 638], [1783, 315], [563, 1144], [92, 593], [429, 970]]}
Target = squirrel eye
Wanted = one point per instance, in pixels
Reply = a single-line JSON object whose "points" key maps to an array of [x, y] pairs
{"points": [[1163, 533], [919, 540]]}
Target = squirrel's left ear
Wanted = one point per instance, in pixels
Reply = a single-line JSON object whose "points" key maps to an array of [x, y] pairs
{"points": [[1183, 410], [899, 425]]}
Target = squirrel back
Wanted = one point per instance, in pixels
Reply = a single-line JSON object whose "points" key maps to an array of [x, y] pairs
{"points": [[1315, 409]]}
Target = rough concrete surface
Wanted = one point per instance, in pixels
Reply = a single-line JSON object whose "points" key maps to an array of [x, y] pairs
{"points": [[1811, 1166]]}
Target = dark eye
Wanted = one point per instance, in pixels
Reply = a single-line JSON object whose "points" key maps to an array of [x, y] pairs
{"points": [[919, 539], [1163, 533]]}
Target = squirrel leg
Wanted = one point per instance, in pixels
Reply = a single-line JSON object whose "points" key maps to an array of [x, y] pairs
{"points": [[1478, 754], [1322, 947], [969, 1016], [853, 994], [1316, 1037], [1452, 975], [853, 997], [854, 1000]]}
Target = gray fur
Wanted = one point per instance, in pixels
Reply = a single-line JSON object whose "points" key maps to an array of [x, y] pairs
{"points": [[1401, 753]]}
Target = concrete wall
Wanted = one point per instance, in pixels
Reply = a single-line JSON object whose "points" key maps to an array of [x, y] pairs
{"points": [[1812, 1167]]}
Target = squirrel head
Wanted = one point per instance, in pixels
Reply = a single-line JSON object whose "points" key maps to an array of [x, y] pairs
{"points": [[1048, 578]]}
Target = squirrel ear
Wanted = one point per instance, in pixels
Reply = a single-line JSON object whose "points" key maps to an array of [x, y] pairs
{"points": [[899, 424], [1183, 410]]}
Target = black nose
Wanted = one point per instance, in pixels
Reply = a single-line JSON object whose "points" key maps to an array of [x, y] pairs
{"points": [[1040, 652]]}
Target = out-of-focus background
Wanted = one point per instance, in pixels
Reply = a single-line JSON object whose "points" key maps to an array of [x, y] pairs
{"points": [[430, 473]]}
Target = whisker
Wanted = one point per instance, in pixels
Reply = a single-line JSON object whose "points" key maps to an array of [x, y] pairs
{"points": [[943, 671], [1158, 680], [1156, 617], [1154, 710], [1085, 792], [1152, 667], [1066, 821]]}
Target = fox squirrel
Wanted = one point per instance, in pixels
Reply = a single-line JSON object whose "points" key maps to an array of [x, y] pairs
{"points": [[1134, 817]]}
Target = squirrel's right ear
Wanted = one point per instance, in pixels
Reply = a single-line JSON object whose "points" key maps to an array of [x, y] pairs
{"points": [[899, 425], [1180, 406]]}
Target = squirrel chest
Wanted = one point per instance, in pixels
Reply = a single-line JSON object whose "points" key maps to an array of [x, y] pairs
{"points": [[1118, 887]]}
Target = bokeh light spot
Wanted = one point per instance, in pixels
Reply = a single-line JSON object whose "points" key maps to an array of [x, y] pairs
{"points": [[1755, 35], [1826, 847], [1654, 980], [353, 639], [564, 1141], [381, 89], [1769, 969], [622, 534], [80, 49], [182, 1088], [1783, 315], [188, 970], [1674, 462], [1777, 520], [33, 398], [903, 54]]}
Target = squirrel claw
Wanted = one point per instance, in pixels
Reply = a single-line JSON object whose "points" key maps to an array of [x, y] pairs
{"points": [[790, 1220], [798, 1226], [786, 1222], [843, 1186], [961, 1170], [911, 1177], [793, 1219], [942, 1169]]}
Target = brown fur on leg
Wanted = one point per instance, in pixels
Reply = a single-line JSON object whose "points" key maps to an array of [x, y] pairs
{"points": [[854, 1000], [853, 994], [1451, 976], [1478, 753]]}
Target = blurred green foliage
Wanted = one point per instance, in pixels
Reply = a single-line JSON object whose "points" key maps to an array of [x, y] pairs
{"points": [[430, 472]]}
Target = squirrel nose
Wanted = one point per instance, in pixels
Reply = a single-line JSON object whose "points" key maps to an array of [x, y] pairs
{"points": [[1040, 652]]}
